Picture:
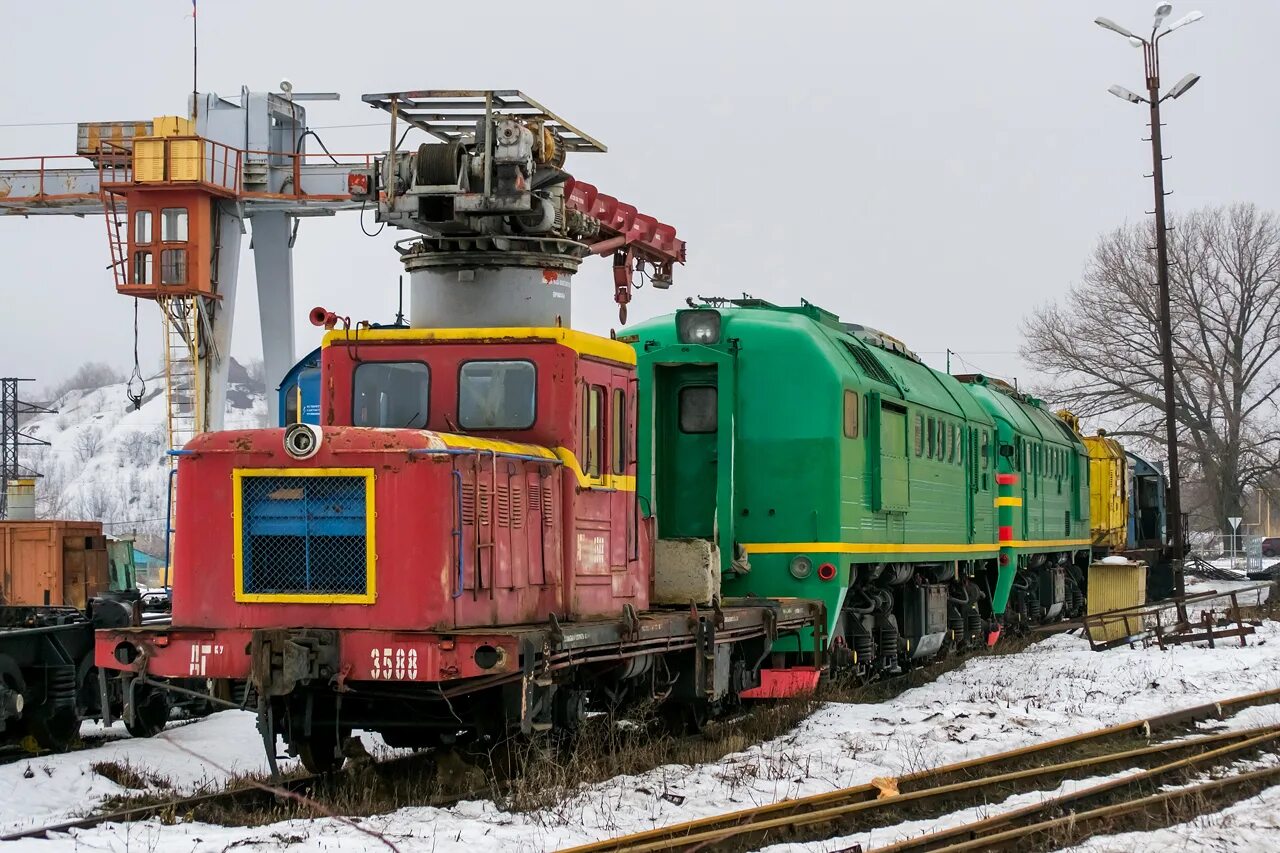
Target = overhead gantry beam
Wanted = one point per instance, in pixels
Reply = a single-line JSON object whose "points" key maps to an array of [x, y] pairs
{"points": [[76, 191]]}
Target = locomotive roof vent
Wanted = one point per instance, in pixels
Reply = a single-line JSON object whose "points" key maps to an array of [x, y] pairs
{"points": [[877, 338]]}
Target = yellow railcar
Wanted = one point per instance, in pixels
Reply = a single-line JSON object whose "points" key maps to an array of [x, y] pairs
{"points": [[1108, 488]]}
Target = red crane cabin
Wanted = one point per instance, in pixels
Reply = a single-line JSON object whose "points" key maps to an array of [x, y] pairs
{"points": [[464, 479]]}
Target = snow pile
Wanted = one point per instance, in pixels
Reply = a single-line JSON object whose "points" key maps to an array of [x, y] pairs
{"points": [[106, 461], [993, 703]]}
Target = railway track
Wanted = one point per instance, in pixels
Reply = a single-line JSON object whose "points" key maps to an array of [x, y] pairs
{"points": [[928, 793], [944, 790], [249, 795]]}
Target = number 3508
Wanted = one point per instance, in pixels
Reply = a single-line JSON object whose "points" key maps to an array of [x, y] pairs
{"points": [[393, 664]]}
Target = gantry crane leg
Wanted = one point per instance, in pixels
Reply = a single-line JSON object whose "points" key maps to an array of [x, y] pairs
{"points": [[273, 264]]}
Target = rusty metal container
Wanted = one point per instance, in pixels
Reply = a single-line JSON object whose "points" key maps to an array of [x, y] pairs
{"points": [[52, 563], [20, 503], [94, 138]]}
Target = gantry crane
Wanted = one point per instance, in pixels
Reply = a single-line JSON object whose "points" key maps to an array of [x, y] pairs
{"points": [[177, 193]]}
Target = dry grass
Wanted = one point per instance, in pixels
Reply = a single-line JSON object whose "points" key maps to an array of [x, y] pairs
{"points": [[126, 775]]}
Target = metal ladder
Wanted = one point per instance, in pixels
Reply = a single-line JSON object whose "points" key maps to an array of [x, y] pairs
{"points": [[184, 394]]}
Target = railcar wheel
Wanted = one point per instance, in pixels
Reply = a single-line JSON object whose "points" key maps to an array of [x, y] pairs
{"points": [[150, 713], [319, 755], [54, 729], [686, 718]]}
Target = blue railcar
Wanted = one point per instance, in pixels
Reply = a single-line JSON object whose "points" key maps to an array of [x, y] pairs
{"points": [[300, 392], [1146, 505]]}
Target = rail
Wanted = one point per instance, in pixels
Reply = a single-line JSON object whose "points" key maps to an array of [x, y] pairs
{"points": [[245, 795], [36, 170], [944, 789]]}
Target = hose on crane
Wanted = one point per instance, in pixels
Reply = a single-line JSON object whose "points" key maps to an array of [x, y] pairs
{"points": [[136, 376]]}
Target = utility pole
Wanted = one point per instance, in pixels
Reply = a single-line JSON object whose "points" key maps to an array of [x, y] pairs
{"points": [[1151, 67], [11, 438]]}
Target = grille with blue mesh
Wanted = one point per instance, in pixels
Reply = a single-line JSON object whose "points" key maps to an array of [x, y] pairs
{"points": [[304, 535]]}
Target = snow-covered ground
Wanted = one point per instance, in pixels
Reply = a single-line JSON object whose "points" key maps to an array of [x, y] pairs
{"points": [[990, 704]]}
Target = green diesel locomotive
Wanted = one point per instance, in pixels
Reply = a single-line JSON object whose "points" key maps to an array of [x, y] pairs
{"points": [[824, 460]]}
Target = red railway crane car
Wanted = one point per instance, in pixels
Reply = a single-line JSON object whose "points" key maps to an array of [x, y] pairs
{"points": [[463, 524]]}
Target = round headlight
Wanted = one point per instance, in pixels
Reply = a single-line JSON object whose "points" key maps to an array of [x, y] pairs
{"points": [[801, 567], [302, 441], [700, 326]]}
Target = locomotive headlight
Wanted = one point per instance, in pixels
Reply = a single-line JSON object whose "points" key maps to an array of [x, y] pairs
{"points": [[699, 326], [801, 567], [302, 441]]}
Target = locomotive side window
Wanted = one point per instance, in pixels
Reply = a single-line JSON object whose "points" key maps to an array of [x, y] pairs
{"points": [[918, 435], [932, 443], [698, 409], [391, 394], [850, 414], [593, 429], [497, 394], [618, 421]]}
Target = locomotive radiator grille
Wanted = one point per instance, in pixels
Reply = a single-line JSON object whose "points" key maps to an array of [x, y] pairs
{"points": [[304, 536]]}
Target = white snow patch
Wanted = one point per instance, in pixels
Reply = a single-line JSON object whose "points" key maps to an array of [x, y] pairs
{"points": [[990, 704]]}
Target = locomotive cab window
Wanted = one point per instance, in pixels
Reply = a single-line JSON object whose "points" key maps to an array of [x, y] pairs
{"points": [[497, 394], [850, 414], [618, 437], [291, 415], [698, 409], [391, 394], [592, 430]]}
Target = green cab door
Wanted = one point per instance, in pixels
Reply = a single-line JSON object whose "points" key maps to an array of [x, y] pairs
{"points": [[687, 409]]}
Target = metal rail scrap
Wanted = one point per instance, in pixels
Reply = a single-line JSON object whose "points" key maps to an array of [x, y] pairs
{"points": [[1203, 617]]}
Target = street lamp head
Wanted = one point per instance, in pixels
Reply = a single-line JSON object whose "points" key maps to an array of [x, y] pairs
{"points": [[1189, 18], [1108, 24], [1125, 95], [1162, 12], [1183, 85], [1134, 41]]}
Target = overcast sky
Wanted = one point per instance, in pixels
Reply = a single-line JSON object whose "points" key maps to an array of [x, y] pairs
{"points": [[933, 169]]}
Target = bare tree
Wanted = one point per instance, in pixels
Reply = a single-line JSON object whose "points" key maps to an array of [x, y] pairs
{"points": [[141, 448], [98, 502], [1100, 348], [88, 377], [88, 444]]}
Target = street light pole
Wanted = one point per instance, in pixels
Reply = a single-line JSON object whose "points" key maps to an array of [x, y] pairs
{"points": [[1151, 67], [1173, 504]]}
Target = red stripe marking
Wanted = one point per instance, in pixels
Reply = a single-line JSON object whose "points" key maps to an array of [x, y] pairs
{"points": [[1006, 479], [1006, 532]]}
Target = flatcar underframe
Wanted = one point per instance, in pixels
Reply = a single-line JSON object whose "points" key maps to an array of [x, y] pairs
{"points": [[425, 688]]}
